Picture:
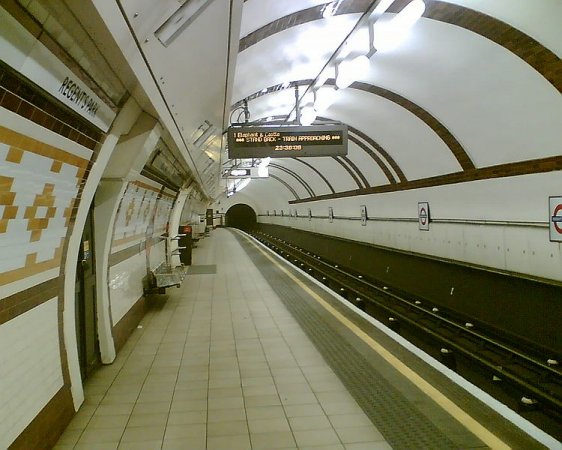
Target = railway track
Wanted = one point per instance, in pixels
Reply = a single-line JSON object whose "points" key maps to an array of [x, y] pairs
{"points": [[518, 376]]}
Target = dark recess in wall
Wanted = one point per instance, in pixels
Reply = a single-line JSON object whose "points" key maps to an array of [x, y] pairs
{"points": [[523, 311], [241, 216]]}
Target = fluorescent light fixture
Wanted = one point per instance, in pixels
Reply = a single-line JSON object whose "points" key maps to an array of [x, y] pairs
{"points": [[180, 20], [308, 115], [389, 35], [351, 70], [325, 96], [239, 172]]}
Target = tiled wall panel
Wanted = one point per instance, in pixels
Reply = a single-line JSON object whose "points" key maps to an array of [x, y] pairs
{"points": [[30, 368], [39, 184], [143, 213], [125, 285], [142, 217]]}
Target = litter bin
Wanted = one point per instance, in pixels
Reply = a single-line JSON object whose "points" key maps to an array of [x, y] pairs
{"points": [[185, 241]]}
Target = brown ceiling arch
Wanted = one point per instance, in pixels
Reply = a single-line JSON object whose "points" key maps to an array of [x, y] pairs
{"points": [[387, 158], [296, 176], [359, 173], [542, 165], [348, 165], [287, 185], [543, 60], [362, 145], [349, 170], [315, 170], [438, 128]]}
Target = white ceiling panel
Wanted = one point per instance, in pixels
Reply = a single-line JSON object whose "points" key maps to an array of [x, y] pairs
{"points": [[494, 103], [294, 54], [540, 19]]}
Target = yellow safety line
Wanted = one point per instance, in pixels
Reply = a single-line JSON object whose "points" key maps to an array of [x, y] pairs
{"points": [[437, 396]]}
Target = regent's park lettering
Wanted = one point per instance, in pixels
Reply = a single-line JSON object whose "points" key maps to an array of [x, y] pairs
{"points": [[77, 95]]}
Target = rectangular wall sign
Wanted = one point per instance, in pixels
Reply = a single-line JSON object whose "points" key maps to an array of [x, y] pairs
{"points": [[423, 216], [24, 53], [555, 218], [287, 141]]}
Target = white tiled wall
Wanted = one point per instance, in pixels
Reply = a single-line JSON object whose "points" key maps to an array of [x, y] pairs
{"points": [[125, 285], [30, 368]]}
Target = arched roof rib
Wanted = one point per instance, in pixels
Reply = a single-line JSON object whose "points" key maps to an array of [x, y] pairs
{"points": [[474, 159], [349, 170], [316, 171], [295, 176], [287, 185], [542, 165], [524, 46]]}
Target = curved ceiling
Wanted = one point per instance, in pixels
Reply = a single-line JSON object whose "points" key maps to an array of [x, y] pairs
{"points": [[472, 93]]}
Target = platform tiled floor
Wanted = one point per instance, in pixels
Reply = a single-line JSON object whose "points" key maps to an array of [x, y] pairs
{"points": [[220, 365]]}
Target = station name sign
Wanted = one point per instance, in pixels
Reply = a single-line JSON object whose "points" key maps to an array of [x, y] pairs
{"points": [[287, 141]]}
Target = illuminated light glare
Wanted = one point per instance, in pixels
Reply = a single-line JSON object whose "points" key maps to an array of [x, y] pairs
{"points": [[308, 115], [357, 44], [325, 96], [349, 71], [242, 184], [264, 91], [238, 172], [307, 99], [265, 162], [263, 171], [323, 77], [391, 34], [330, 9]]}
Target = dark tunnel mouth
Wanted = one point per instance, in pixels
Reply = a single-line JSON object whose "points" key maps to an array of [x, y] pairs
{"points": [[241, 216]]}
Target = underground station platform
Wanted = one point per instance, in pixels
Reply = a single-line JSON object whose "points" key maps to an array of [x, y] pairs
{"points": [[252, 353]]}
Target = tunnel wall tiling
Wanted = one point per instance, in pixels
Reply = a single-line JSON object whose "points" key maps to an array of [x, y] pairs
{"points": [[42, 174], [142, 217]]}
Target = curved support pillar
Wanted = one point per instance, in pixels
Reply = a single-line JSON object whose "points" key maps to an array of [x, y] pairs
{"points": [[127, 114], [104, 217], [136, 140]]}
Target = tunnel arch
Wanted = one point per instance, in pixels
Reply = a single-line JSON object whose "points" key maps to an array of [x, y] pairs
{"points": [[241, 216]]}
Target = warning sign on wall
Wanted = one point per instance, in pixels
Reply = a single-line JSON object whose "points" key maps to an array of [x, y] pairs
{"points": [[555, 218], [423, 216]]}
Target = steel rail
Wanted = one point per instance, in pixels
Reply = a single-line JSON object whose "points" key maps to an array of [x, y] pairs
{"points": [[364, 288]]}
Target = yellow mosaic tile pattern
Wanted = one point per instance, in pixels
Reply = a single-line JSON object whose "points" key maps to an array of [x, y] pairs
{"points": [[38, 188], [141, 213]]}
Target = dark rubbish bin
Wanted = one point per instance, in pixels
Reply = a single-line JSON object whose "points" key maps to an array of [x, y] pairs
{"points": [[185, 241]]}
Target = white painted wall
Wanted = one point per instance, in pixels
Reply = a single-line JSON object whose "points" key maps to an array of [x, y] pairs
{"points": [[516, 240]]}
